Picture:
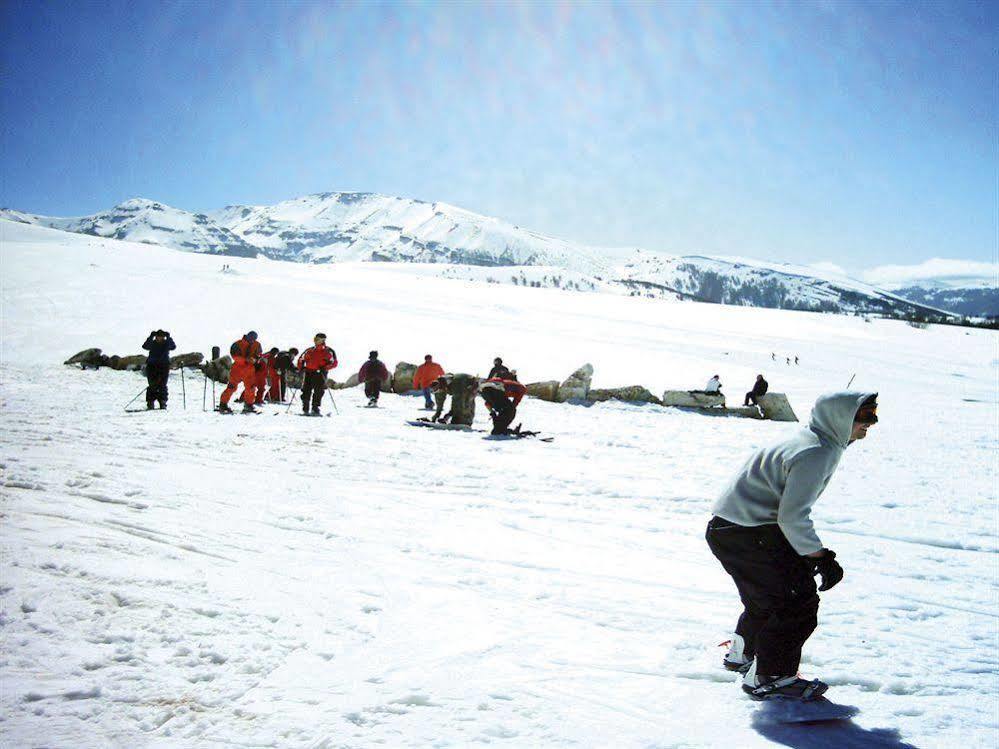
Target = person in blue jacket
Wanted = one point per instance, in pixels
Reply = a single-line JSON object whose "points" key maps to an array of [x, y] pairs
{"points": [[159, 344]]}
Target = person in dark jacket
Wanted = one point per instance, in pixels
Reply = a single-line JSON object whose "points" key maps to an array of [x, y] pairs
{"points": [[759, 388], [159, 344], [373, 373], [315, 362], [284, 362], [441, 388], [502, 397], [498, 370]]}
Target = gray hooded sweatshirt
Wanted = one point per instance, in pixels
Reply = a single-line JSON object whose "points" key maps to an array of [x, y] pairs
{"points": [[779, 484]]}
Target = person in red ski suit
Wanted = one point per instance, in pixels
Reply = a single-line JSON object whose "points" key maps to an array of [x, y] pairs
{"points": [[314, 363], [245, 353]]}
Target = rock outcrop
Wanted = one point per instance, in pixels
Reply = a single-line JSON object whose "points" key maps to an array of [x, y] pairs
{"points": [[218, 369], [577, 386], [546, 391], [402, 378], [89, 357], [693, 399], [190, 361], [776, 407], [630, 394], [129, 363]]}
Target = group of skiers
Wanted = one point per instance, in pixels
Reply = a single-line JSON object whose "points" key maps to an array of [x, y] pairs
{"points": [[760, 531]]}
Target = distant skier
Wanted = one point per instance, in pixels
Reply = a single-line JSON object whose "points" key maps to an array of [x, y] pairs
{"points": [[788, 361], [763, 535], [159, 344], [759, 389], [373, 373], [773, 356], [498, 370], [714, 385], [425, 375], [284, 362], [796, 360], [315, 362], [502, 397], [245, 353]]}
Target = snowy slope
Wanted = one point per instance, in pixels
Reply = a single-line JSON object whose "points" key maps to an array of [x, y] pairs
{"points": [[179, 579], [141, 220]]}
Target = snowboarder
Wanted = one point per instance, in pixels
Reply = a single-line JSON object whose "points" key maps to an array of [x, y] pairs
{"points": [[499, 370], [764, 537], [759, 388], [314, 363], [284, 362], [426, 374], [245, 353], [502, 397], [714, 385], [373, 373], [159, 344], [441, 388]]}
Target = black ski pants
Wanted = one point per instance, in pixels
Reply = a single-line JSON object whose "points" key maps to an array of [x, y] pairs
{"points": [[503, 415], [372, 389], [313, 388], [777, 588], [157, 376]]}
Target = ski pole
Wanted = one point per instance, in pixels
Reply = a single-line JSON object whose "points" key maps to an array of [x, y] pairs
{"points": [[204, 393], [134, 399], [183, 387], [293, 389], [851, 380], [334, 403]]}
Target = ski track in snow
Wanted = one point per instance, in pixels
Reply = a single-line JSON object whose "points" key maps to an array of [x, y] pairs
{"points": [[181, 579]]}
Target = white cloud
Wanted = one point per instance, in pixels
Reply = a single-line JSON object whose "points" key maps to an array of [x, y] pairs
{"points": [[936, 272], [831, 268]]}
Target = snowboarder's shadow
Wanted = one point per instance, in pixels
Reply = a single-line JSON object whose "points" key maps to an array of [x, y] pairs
{"points": [[768, 721]]}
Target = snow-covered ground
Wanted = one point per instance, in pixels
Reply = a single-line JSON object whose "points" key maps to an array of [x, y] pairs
{"points": [[180, 579]]}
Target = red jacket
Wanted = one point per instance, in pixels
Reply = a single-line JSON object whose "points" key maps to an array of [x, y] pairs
{"points": [[319, 358], [245, 352], [426, 373], [512, 389]]}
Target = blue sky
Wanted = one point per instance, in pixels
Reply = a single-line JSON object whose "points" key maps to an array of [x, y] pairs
{"points": [[857, 133]]}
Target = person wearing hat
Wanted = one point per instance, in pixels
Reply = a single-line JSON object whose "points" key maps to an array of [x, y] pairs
{"points": [[760, 388], [763, 535], [314, 363], [499, 370], [373, 373], [159, 344], [245, 353], [426, 374]]}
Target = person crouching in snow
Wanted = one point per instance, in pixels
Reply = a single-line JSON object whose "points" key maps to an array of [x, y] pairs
{"points": [[763, 535], [502, 397], [424, 377], [245, 353], [373, 373], [315, 362]]}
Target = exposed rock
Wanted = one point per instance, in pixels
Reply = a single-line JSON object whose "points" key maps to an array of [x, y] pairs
{"points": [[776, 407], [630, 394], [546, 391], [190, 361], [577, 385], [89, 357], [218, 369], [402, 378], [352, 382], [130, 363], [463, 391], [693, 399]]}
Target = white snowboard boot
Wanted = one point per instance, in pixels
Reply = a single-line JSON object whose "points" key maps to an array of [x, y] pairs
{"points": [[735, 659]]}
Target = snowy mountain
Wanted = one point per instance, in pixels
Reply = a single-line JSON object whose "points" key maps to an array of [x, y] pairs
{"points": [[349, 226], [141, 220], [961, 286]]}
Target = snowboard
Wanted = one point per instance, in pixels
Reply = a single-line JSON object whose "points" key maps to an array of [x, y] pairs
{"points": [[516, 436], [438, 425], [819, 710]]}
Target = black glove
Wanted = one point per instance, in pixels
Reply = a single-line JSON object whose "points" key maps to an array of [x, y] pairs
{"points": [[828, 568]]}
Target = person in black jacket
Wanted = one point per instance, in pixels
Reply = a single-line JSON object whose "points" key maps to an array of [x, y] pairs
{"points": [[159, 344], [284, 363], [499, 370], [759, 388]]}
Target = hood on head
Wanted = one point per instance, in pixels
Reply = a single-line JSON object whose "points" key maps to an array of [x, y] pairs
{"points": [[833, 414]]}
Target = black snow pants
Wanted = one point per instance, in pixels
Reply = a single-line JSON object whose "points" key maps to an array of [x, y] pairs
{"points": [[777, 588], [372, 389], [503, 416], [157, 376], [314, 388]]}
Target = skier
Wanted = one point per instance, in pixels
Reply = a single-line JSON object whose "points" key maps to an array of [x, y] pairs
{"points": [[159, 344], [759, 388], [764, 537], [713, 386], [314, 363], [264, 372], [498, 370], [426, 374], [373, 373], [796, 360], [245, 353], [502, 397], [284, 362]]}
